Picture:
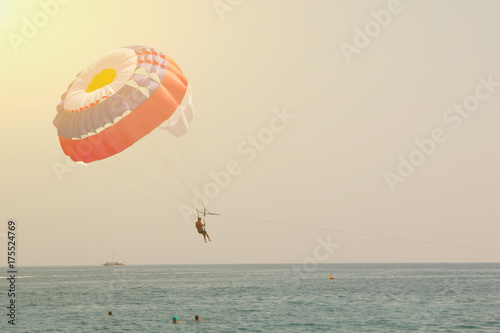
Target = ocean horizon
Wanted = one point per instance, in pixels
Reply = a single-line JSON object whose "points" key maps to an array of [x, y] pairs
{"points": [[370, 297]]}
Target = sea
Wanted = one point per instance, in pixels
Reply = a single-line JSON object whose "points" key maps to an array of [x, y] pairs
{"points": [[256, 298]]}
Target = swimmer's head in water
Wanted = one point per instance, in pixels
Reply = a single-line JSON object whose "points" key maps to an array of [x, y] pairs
{"points": [[196, 317], [174, 318]]}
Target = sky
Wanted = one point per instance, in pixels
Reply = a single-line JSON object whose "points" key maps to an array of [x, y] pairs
{"points": [[366, 117]]}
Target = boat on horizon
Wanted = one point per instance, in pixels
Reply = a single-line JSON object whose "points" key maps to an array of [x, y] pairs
{"points": [[114, 263]]}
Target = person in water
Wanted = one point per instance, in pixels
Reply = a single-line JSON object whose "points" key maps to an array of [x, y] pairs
{"points": [[175, 320], [200, 226], [197, 318]]}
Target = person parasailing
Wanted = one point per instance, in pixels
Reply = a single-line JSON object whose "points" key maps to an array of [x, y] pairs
{"points": [[200, 226]]}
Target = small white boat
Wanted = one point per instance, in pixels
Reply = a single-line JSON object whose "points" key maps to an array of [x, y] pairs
{"points": [[114, 263]]}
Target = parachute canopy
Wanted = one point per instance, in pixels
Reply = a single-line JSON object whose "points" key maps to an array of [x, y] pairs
{"points": [[119, 99]]}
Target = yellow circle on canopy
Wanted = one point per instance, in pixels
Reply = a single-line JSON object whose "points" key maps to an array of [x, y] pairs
{"points": [[105, 77]]}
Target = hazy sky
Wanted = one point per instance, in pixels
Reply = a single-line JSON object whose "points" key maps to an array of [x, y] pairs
{"points": [[361, 87]]}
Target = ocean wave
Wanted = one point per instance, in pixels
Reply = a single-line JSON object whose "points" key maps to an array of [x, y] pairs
{"points": [[17, 277]]}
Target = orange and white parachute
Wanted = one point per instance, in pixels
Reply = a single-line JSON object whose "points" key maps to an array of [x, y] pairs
{"points": [[117, 102], [119, 99]]}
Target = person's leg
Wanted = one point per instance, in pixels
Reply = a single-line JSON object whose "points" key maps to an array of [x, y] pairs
{"points": [[205, 237], [206, 233]]}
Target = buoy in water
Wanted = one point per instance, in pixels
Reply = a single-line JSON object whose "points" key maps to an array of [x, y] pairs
{"points": [[331, 277]]}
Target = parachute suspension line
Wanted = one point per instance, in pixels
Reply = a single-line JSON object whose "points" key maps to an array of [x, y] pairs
{"points": [[206, 212], [191, 137], [185, 163], [181, 153], [190, 140], [135, 184], [173, 166], [189, 193], [168, 163], [148, 178], [204, 215], [194, 140], [361, 233], [134, 181], [179, 178], [151, 180], [160, 155]]}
